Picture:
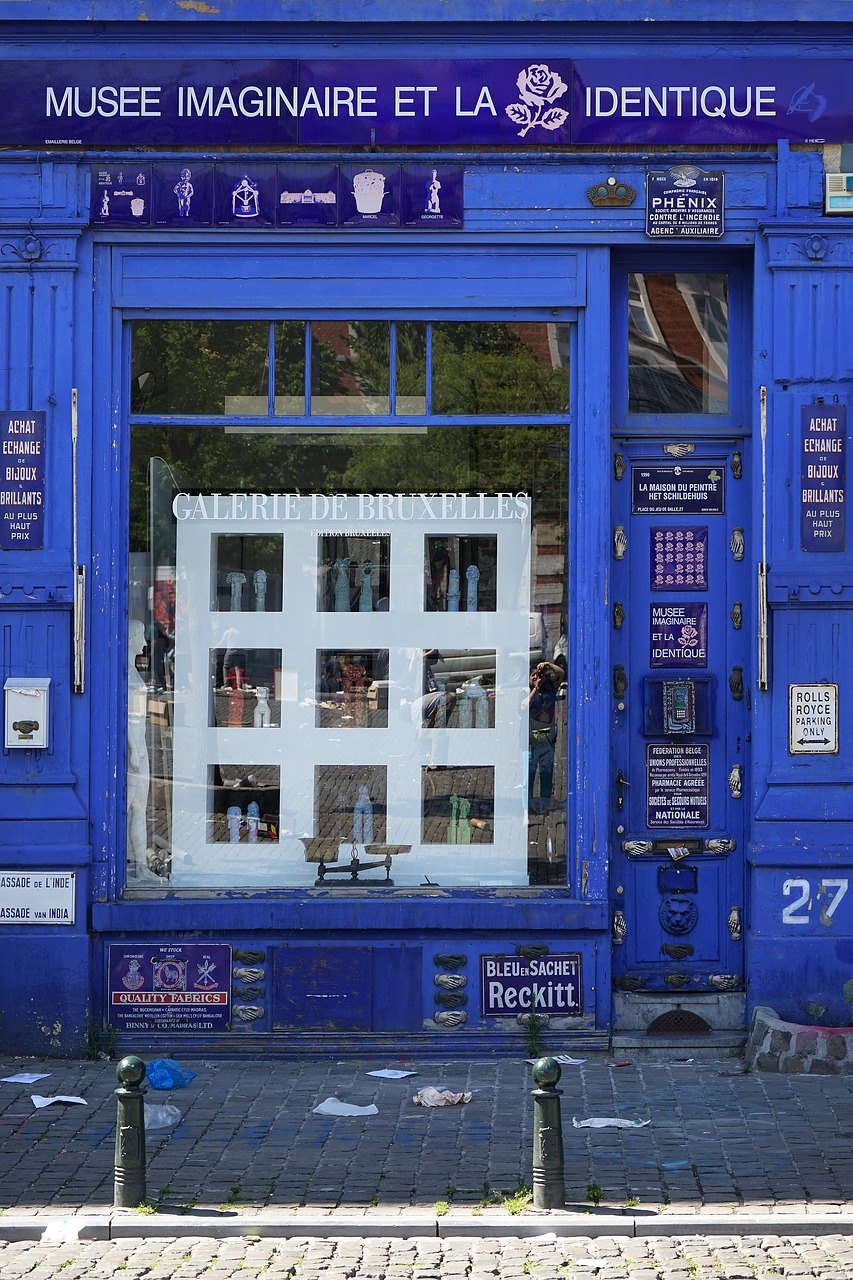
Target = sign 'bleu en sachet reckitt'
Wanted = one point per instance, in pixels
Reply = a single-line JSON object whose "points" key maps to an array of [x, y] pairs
{"points": [[518, 102]]}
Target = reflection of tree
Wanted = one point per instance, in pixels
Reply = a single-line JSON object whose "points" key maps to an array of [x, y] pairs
{"points": [[482, 368]]}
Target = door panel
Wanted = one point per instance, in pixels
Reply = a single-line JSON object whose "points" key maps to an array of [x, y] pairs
{"points": [[680, 697]]}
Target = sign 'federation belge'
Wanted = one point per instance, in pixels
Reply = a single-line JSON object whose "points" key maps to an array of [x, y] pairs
{"points": [[538, 101]]}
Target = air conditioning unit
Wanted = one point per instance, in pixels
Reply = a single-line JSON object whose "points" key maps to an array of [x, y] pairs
{"points": [[839, 193]]}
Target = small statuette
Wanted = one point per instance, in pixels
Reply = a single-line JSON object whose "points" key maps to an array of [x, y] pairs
{"points": [[737, 465], [736, 615], [720, 846], [620, 542], [737, 544], [453, 592], [618, 615], [365, 597], [362, 827], [679, 449], [736, 684], [724, 981], [236, 582], [342, 565], [235, 817], [450, 960], [450, 981], [451, 999], [636, 847], [618, 466], [253, 821], [261, 713], [736, 781], [620, 681], [248, 974], [248, 1012], [260, 584], [620, 928], [451, 1018], [733, 921], [472, 574]]}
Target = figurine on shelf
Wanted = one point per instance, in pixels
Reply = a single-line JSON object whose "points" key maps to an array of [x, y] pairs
{"points": [[342, 566], [261, 713], [362, 827], [138, 769], [236, 582], [453, 591], [253, 821], [260, 585], [472, 574], [439, 564], [365, 598], [235, 817]]}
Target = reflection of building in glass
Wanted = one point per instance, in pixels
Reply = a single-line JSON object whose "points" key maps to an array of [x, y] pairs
{"points": [[677, 343]]}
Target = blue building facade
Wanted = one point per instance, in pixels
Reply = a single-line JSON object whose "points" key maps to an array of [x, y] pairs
{"points": [[424, 578]]}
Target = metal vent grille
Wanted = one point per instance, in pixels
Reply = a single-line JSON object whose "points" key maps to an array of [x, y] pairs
{"points": [[678, 1022]]}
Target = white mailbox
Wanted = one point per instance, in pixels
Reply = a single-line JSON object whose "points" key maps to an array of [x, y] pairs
{"points": [[27, 705]]}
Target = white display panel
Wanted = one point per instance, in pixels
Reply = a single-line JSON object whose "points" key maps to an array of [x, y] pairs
{"points": [[414, 758]]}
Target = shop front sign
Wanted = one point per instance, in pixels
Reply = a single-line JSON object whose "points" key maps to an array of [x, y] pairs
{"points": [[677, 784], [169, 987], [513, 984], [525, 102], [22, 479], [685, 203], [823, 477]]}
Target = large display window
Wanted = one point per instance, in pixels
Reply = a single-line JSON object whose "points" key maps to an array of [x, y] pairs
{"points": [[347, 649]]}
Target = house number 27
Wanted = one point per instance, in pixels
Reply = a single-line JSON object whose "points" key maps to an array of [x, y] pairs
{"points": [[801, 891]]}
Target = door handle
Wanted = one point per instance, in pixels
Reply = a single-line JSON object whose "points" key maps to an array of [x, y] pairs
{"points": [[621, 783]]}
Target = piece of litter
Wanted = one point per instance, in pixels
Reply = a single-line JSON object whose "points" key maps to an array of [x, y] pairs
{"points": [[39, 1101], [605, 1122], [430, 1097], [25, 1077], [161, 1117], [64, 1230], [389, 1073], [333, 1107]]}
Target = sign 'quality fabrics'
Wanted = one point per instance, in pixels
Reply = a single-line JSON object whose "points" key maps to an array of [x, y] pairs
{"points": [[170, 987], [22, 455], [823, 477], [524, 102], [514, 984]]}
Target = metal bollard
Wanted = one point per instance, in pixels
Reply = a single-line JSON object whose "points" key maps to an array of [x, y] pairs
{"points": [[549, 1188], [130, 1134]]}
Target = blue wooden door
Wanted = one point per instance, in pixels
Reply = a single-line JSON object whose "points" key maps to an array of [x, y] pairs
{"points": [[680, 699]]}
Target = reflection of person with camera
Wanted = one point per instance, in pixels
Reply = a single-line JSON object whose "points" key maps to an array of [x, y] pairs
{"points": [[541, 704]]}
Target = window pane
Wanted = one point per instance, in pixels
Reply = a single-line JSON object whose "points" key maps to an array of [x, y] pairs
{"points": [[411, 368], [500, 368], [350, 367], [199, 366], [290, 367], [677, 343], [400, 586]]}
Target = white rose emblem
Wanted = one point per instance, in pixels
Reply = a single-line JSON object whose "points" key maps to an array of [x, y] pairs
{"points": [[538, 88]]}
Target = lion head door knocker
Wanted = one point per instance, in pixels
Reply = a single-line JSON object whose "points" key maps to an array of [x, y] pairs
{"points": [[677, 914]]}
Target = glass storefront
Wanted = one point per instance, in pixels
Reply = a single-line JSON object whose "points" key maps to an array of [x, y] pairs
{"points": [[347, 646]]}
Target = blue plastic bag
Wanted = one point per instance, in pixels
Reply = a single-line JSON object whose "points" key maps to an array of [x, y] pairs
{"points": [[165, 1073]]}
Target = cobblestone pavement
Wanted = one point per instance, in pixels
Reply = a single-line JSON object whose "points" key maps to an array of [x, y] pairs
{"points": [[719, 1141], [652, 1258]]}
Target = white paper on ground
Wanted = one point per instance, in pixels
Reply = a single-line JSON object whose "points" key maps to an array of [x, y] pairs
{"points": [[605, 1122], [162, 1117], [333, 1107], [25, 1077], [563, 1059], [390, 1073], [430, 1097], [64, 1230], [39, 1101]]}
